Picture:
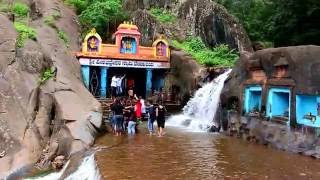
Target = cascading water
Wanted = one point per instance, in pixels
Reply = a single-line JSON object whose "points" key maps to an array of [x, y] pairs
{"points": [[199, 113], [87, 170]]}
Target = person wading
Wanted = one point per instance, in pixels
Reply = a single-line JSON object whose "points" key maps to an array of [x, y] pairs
{"points": [[117, 108], [160, 116], [131, 120], [151, 114], [137, 110]]}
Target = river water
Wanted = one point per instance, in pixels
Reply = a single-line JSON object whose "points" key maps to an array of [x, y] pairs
{"points": [[186, 155], [188, 151]]}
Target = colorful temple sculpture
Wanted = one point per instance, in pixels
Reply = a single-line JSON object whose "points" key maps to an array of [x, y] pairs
{"points": [[144, 67]]}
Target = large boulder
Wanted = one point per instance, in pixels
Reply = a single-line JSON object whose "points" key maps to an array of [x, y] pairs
{"points": [[43, 120], [202, 18]]}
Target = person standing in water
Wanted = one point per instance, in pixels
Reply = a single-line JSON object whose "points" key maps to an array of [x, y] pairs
{"points": [[160, 116], [151, 114], [117, 108], [132, 120]]}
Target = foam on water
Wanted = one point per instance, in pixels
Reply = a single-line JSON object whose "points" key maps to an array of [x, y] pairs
{"points": [[87, 170], [199, 113]]}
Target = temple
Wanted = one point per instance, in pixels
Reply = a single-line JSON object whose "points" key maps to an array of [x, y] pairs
{"points": [[144, 67]]}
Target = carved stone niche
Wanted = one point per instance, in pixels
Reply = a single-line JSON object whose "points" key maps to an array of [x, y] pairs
{"points": [[256, 71], [281, 68]]}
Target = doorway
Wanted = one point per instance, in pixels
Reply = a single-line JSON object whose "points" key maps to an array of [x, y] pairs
{"points": [[135, 78]]}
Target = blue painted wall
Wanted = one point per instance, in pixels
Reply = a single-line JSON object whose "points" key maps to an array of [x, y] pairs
{"points": [[304, 105], [252, 98], [278, 102], [149, 82], [85, 71], [103, 81], [157, 82]]}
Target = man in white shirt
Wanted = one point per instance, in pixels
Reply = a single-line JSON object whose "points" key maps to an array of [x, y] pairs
{"points": [[119, 85], [113, 85]]}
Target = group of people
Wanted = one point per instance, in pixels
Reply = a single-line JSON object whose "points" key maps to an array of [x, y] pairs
{"points": [[128, 113]]}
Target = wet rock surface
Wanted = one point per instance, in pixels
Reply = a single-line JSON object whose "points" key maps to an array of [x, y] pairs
{"points": [[39, 122], [259, 130]]}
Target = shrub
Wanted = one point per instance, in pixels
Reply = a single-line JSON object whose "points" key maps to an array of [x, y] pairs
{"points": [[63, 36], [49, 20], [162, 15], [79, 5], [20, 10], [25, 33], [220, 55], [46, 75]]}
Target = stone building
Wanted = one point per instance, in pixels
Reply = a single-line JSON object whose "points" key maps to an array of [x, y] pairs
{"points": [[279, 84]]}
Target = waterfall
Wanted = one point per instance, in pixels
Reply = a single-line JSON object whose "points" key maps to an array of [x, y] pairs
{"points": [[87, 170], [199, 113]]}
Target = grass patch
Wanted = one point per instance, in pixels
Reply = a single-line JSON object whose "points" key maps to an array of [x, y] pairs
{"points": [[25, 33], [50, 20], [45, 76], [220, 55], [20, 9], [63, 36], [162, 15]]}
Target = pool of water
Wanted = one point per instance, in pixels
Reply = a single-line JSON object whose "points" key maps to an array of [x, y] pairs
{"points": [[186, 155]]}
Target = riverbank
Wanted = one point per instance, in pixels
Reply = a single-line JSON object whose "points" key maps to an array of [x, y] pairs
{"points": [[302, 140]]}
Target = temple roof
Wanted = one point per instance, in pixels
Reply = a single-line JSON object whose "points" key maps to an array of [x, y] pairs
{"points": [[128, 28]]}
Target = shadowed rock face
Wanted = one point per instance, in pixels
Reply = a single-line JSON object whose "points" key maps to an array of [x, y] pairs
{"points": [[59, 117], [202, 18]]}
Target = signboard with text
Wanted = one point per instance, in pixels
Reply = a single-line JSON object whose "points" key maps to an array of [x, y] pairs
{"points": [[124, 63]]}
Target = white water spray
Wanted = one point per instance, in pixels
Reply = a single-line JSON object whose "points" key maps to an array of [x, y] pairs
{"points": [[87, 170], [198, 114]]}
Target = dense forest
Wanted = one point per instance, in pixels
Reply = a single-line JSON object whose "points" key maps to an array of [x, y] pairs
{"points": [[278, 22], [272, 22]]}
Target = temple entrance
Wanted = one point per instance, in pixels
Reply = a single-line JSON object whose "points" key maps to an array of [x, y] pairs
{"points": [[135, 78]]}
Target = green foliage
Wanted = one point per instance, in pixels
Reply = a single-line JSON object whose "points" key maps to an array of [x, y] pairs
{"points": [[162, 15], [79, 5], [46, 75], [220, 55], [25, 33], [50, 20], [63, 36], [100, 13], [20, 9], [280, 22]]}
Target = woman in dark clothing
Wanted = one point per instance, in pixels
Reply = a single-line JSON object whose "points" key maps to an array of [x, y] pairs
{"points": [[160, 116], [117, 108]]}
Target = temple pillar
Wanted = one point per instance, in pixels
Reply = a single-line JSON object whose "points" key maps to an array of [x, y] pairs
{"points": [[103, 81], [85, 71], [149, 83]]}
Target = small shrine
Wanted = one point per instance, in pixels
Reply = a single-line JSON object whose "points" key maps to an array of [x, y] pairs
{"points": [[144, 67]]}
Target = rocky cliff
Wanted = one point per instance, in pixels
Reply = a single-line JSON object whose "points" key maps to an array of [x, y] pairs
{"points": [[202, 18], [41, 121]]}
